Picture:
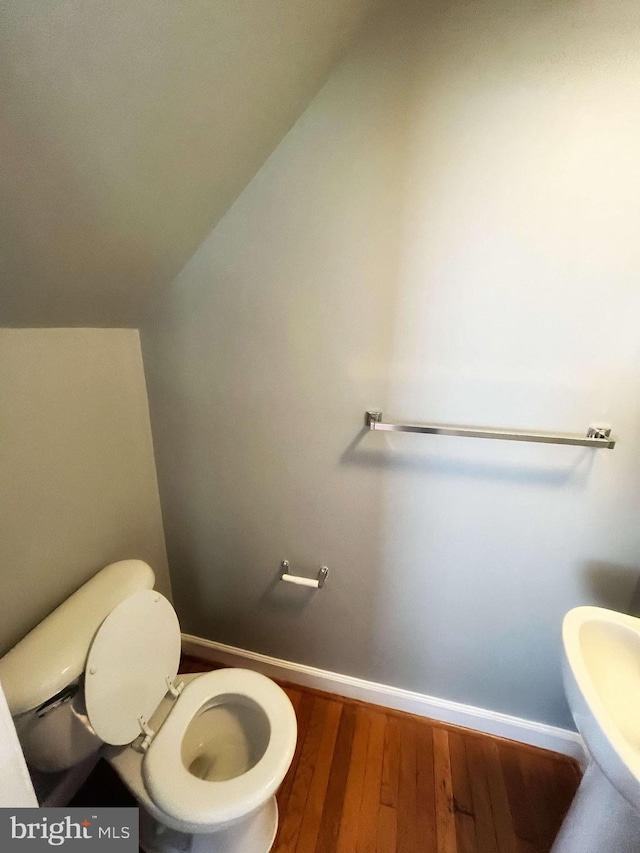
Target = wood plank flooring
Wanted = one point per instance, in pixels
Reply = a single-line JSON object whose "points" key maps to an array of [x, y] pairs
{"points": [[366, 779]]}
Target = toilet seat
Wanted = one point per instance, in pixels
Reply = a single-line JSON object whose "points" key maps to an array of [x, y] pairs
{"points": [[131, 666], [133, 659], [198, 802]]}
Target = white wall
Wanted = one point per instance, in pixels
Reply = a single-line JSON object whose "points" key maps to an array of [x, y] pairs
{"points": [[16, 787], [449, 234], [78, 483]]}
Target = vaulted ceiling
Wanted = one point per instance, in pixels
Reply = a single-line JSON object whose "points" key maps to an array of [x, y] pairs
{"points": [[127, 129]]}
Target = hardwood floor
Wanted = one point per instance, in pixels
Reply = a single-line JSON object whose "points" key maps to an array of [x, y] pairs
{"points": [[365, 779]]}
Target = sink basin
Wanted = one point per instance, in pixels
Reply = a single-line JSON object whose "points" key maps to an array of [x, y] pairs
{"points": [[602, 682], [601, 673]]}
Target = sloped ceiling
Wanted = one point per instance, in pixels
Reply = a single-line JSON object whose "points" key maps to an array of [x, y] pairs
{"points": [[128, 128]]}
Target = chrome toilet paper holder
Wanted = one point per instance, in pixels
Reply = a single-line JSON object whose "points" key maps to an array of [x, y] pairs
{"points": [[317, 583]]}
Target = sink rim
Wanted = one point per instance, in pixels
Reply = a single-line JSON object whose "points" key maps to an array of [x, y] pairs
{"points": [[572, 623]]}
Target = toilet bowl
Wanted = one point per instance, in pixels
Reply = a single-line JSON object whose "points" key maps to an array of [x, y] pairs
{"points": [[222, 750], [202, 753]]}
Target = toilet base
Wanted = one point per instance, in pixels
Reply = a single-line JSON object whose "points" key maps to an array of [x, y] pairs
{"points": [[256, 834]]}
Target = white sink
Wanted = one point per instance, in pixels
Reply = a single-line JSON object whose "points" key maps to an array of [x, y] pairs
{"points": [[601, 671]]}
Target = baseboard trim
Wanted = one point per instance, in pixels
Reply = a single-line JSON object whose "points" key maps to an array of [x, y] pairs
{"points": [[491, 722]]}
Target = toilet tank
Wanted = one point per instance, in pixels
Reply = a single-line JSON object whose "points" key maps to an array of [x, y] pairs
{"points": [[53, 654]]}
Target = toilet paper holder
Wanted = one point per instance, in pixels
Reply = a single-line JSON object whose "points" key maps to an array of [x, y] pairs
{"points": [[318, 583]]}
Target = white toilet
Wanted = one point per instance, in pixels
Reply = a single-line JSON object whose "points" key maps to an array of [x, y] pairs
{"points": [[203, 755]]}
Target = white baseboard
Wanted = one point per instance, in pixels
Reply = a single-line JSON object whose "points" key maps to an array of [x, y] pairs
{"points": [[491, 722]]}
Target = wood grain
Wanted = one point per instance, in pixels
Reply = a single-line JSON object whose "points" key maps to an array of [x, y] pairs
{"points": [[445, 814], [350, 822]]}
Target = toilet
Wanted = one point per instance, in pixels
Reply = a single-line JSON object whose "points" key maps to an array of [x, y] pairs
{"points": [[203, 754]]}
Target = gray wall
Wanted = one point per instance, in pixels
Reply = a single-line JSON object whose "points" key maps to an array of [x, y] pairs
{"points": [[448, 233], [128, 129], [78, 478]]}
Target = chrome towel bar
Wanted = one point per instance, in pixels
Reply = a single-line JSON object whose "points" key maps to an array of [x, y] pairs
{"points": [[597, 436]]}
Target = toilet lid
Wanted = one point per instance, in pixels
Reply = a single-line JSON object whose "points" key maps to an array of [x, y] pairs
{"points": [[135, 650]]}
